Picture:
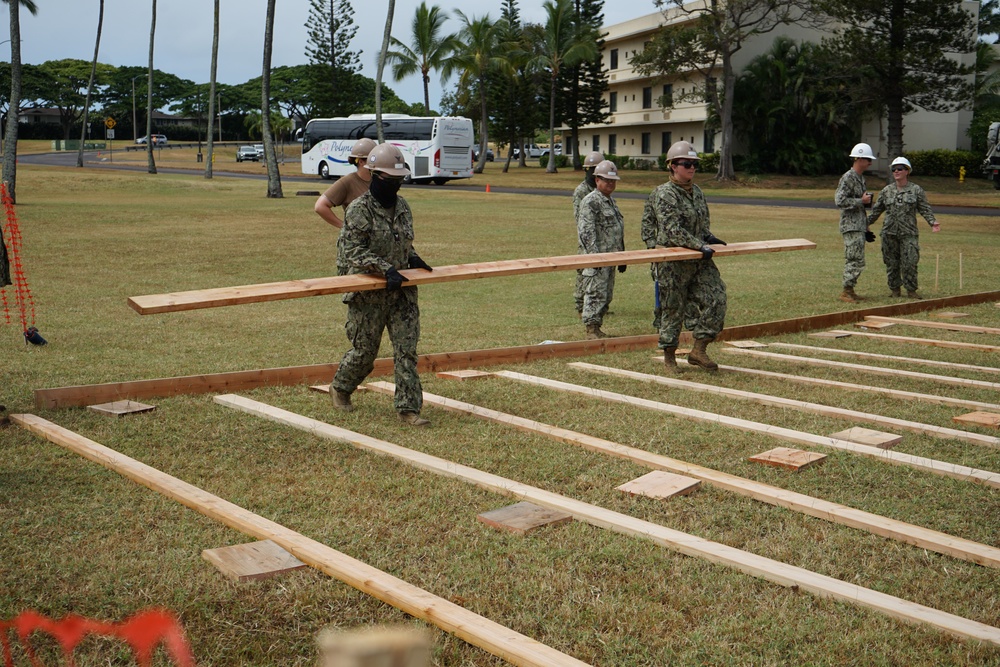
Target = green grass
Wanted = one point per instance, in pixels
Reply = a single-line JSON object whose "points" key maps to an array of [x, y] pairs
{"points": [[77, 538]]}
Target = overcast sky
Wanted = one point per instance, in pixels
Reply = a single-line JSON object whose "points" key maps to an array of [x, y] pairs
{"points": [[183, 44]]}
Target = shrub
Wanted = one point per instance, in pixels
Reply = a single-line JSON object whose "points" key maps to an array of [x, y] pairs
{"points": [[709, 162], [562, 161], [945, 163]]}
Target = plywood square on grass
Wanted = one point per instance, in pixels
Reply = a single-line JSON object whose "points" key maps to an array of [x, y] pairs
{"points": [[786, 457], [120, 408], [867, 436], [254, 560], [830, 334], [875, 326], [949, 315], [465, 374], [991, 419], [745, 344], [660, 484], [523, 517]]}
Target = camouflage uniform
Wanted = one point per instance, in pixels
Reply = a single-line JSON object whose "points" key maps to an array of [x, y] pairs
{"points": [[692, 291], [900, 246], [374, 240], [600, 228], [579, 194], [853, 224]]}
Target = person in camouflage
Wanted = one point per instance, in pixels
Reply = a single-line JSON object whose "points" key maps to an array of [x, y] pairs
{"points": [[585, 188], [378, 238], [600, 228], [851, 198], [901, 201], [692, 291]]}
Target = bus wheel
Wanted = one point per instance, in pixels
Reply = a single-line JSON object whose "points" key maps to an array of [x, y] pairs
{"points": [[324, 171], [440, 181]]}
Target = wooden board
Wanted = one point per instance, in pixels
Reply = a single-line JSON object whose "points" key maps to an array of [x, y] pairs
{"points": [[660, 485], [930, 341], [745, 344], [255, 560], [949, 315], [873, 325], [684, 543], [989, 419], [294, 289], [466, 374], [401, 646], [797, 502], [523, 517], [419, 603], [788, 458], [872, 355], [867, 436], [121, 408], [831, 334], [928, 324]]}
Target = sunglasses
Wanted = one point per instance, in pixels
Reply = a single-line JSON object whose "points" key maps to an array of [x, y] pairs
{"points": [[687, 164], [899, 168]]}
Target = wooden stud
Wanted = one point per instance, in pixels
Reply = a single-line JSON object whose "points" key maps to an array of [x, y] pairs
{"points": [[523, 517], [745, 344], [989, 419], [931, 342], [875, 326], [949, 315], [401, 646], [909, 360], [930, 324], [255, 560], [788, 458], [466, 374], [660, 485], [121, 408], [867, 436], [831, 334]]}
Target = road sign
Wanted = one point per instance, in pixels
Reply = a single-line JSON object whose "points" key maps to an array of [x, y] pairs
{"points": [[109, 122], [110, 133]]}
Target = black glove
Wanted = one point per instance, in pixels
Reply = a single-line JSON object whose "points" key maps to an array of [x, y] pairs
{"points": [[706, 252], [417, 263], [394, 280], [622, 267], [870, 236], [714, 240]]}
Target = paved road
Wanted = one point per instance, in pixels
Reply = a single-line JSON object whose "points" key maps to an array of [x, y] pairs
{"points": [[68, 159]]}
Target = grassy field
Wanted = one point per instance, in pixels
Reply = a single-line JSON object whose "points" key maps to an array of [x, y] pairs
{"points": [[77, 538]]}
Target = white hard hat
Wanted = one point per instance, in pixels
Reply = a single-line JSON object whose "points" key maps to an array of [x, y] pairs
{"points": [[862, 150], [903, 161], [607, 169]]}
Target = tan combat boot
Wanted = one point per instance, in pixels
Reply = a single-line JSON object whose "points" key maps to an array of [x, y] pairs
{"points": [[341, 400], [594, 332], [849, 296], [413, 419], [699, 355], [895, 292], [670, 361]]}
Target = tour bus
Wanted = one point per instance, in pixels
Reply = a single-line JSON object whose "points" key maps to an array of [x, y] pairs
{"points": [[437, 149]]}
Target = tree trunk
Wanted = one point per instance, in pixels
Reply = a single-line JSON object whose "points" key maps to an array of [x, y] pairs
{"points": [[551, 168], [211, 93], [894, 96], [90, 86], [150, 162], [484, 139], [10, 134], [726, 171], [381, 65], [273, 176]]}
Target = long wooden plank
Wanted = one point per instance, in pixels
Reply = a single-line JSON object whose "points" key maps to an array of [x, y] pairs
{"points": [[876, 370], [798, 502], [925, 341], [685, 543], [801, 406], [786, 434], [931, 324], [889, 357], [477, 630], [294, 289]]}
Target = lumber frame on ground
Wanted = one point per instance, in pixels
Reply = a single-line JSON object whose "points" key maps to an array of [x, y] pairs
{"points": [[477, 630], [802, 406], [930, 342], [889, 357], [684, 543], [82, 395], [151, 304], [933, 466], [931, 324], [798, 502]]}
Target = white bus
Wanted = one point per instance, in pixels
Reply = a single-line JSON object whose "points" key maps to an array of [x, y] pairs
{"points": [[437, 149]]}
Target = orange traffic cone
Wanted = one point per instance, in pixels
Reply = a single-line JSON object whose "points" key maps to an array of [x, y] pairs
{"points": [[487, 187]]}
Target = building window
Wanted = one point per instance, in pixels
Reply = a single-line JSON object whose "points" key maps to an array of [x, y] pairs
{"points": [[614, 58], [647, 97], [612, 143], [597, 143], [614, 102], [665, 142], [647, 138], [709, 142], [668, 95]]}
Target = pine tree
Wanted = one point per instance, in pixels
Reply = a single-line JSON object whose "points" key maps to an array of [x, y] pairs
{"points": [[331, 29], [583, 85]]}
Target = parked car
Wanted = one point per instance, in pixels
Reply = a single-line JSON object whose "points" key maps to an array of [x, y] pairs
{"points": [[260, 151], [158, 140], [532, 151], [489, 154], [247, 153]]}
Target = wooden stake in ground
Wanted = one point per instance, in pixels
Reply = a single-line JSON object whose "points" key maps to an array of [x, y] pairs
{"points": [[937, 266]]}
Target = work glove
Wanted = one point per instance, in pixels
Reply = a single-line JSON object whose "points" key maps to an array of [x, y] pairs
{"points": [[622, 267], [714, 240], [394, 280], [417, 263], [870, 236], [706, 252]]}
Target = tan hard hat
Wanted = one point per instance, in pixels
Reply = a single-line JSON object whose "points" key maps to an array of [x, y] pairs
{"points": [[607, 169], [682, 149], [362, 147], [388, 159], [592, 160]]}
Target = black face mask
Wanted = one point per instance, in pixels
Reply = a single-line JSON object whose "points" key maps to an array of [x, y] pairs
{"points": [[384, 190], [590, 178]]}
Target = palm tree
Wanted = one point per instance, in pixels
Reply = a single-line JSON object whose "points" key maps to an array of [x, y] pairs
{"points": [[561, 47], [273, 176], [477, 56], [10, 132], [381, 64], [211, 91], [429, 49], [90, 85], [150, 162]]}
